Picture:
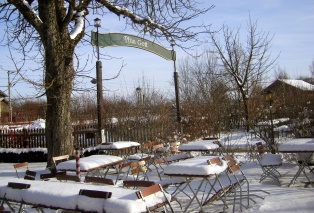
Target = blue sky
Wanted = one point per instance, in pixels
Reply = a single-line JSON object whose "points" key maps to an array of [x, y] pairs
{"points": [[289, 21]]}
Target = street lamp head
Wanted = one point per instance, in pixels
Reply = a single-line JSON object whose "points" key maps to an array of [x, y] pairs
{"points": [[268, 95], [94, 81], [97, 22], [172, 42], [138, 89]]}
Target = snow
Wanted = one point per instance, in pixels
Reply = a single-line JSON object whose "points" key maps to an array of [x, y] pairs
{"points": [[79, 24], [298, 144], [118, 145], [299, 84], [31, 9], [205, 145], [271, 159], [19, 151]]}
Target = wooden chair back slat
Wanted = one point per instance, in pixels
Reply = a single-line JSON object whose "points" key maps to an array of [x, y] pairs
{"points": [[158, 146], [30, 175], [148, 191], [137, 183], [160, 160], [213, 161], [19, 165], [89, 179], [61, 157], [18, 185], [153, 143], [148, 144], [138, 170], [124, 165], [146, 158], [233, 168], [65, 177], [46, 176], [95, 193]]}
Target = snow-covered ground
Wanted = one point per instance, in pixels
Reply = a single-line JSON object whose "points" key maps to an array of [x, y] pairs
{"points": [[296, 198]]}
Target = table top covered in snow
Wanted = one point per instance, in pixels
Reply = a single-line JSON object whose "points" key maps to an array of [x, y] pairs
{"points": [[90, 163], [297, 145], [201, 145], [118, 145], [65, 195], [195, 167]]}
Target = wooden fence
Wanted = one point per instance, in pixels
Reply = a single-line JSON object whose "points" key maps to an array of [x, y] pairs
{"points": [[85, 135]]}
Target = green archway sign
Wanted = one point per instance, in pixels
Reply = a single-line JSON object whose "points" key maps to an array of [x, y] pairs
{"points": [[123, 39]]}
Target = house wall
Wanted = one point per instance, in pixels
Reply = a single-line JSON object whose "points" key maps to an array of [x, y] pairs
{"points": [[4, 111], [289, 101]]}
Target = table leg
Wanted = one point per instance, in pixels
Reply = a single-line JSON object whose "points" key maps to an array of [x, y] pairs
{"points": [[195, 195], [302, 164]]}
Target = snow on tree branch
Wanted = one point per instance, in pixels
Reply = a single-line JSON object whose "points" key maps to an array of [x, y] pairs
{"points": [[146, 21], [79, 24], [31, 9]]}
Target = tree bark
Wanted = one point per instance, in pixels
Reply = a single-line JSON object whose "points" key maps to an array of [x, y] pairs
{"points": [[59, 50]]}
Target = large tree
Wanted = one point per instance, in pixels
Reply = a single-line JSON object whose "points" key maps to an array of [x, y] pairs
{"points": [[54, 28], [244, 61]]}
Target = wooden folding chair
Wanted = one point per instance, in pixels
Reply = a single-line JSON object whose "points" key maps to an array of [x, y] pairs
{"points": [[136, 169], [20, 165], [98, 180], [167, 182], [58, 159], [220, 192], [29, 175], [221, 149], [139, 170], [93, 194], [11, 205], [268, 162], [159, 151], [159, 164], [145, 192], [123, 168], [239, 183]]}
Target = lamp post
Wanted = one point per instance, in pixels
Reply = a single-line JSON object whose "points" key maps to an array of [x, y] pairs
{"points": [[99, 84], [269, 98], [176, 85], [139, 94]]}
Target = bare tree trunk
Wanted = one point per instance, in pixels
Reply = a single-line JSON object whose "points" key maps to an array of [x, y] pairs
{"points": [[59, 50]]}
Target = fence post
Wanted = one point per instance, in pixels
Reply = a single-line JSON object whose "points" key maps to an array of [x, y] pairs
{"points": [[77, 159]]}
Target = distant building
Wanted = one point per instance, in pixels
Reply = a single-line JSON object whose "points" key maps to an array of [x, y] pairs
{"points": [[291, 97], [4, 108]]}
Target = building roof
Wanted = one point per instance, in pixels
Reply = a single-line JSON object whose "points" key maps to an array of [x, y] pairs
{"points": [[2, 94], [299, 84]]}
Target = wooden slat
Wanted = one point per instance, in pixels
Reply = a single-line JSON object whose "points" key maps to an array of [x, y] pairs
{"points": [[137, 183], [62, 157], [30, 175], [95, 194], [18, 185], [89, 179], [19, 165]]}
